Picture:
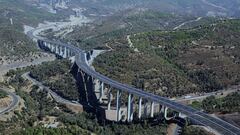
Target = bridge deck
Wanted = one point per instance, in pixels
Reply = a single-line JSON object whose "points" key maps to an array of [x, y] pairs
{"points": [[201, 117]]}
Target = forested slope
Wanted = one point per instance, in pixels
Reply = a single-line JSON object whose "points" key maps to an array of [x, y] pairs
{"points": [[202, 59]]}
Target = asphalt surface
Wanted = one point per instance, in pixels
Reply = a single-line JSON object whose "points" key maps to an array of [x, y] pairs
{"points": [[196, 115], [14, 103], [219, 93], [56, 97]]}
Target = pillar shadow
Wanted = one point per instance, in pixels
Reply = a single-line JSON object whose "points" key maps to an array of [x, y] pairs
{"points": [[87, 94]]}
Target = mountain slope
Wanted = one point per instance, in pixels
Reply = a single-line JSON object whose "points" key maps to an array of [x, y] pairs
{"points": [[194, 7], [14, 14], [174, 63]]}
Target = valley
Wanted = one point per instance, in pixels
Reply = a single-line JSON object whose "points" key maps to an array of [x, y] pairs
{"points": [[119, 67]]}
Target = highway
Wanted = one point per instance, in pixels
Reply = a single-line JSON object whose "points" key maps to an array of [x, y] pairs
{"points": [[56, 97], [196, 115], [219, 93], [14, 103]]}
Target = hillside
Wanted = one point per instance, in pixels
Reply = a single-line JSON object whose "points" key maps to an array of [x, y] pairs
{"points": [[202, 59], [193, 7], [114, 29], [40, 112], [23, 13], [14, 14]]}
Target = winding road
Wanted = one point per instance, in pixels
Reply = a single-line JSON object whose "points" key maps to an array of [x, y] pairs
{"points": [[57, 98], [14, 103], [184, 23], [200, 117]]}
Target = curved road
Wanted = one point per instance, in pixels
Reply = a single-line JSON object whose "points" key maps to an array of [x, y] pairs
{"points": [[198, 116], [53, 94], [14, 103]]}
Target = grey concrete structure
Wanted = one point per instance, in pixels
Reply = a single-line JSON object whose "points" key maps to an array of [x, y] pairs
{"points": [[87, 76], [152, 109], [140, 108], [130, 108], [119, 95]]}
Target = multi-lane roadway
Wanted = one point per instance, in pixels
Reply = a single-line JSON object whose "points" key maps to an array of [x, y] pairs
{"points": [[196, 115]]}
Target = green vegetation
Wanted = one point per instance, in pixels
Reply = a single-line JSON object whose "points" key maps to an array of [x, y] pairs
{"points": [[174, 63], [3, 94], [37, 106], [15, 43], [12, 39], [40, 106], [196, 105], [191, 130], [113, 30], [57, 76], [228, 104], [185, 7], [69, 130], [85, 124], [143, 71], [23, 13], [89, 122]]}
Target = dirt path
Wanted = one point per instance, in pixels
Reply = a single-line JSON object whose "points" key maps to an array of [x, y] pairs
{"points": [[213, 5], [184, 23]]}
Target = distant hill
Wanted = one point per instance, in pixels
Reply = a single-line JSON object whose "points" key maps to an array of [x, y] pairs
{"points": [[194, 7], [13, 15], [223, 8], [23, 13]]}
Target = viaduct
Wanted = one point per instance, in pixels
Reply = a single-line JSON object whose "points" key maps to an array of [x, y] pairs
{"points": [[136, 98]]}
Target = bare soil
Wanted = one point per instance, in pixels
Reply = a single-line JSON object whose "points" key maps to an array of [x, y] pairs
{"points": [[233, 118], [5, 102]]}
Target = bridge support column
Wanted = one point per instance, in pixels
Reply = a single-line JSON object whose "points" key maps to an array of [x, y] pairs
{"points": [[60, 51], [65, 52], [152, 109], [101, 91], [68, 53], [49, 46], [145, 108], [44, 44], [165, 113], [162, 109], [130, 108], [52, 48], [140, 107], [119, 94], [109, 98], [56, 49]]}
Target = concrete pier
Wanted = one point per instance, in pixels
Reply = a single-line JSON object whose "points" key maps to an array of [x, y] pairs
{"points": [[119, 94]]}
